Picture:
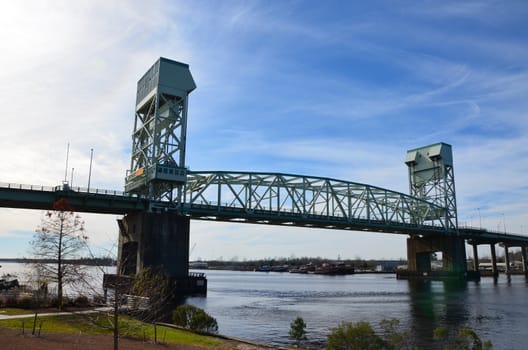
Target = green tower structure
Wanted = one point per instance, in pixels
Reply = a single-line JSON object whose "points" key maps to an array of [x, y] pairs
{"points": [[157, 168], [158, 237], [431, 178]]}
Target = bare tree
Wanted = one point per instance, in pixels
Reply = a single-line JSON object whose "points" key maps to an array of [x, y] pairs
{"points": [[155, 286], [59, 238]]}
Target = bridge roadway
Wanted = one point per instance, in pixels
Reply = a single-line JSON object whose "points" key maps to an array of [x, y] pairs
{"points": [[83, 200], [271, 199]]}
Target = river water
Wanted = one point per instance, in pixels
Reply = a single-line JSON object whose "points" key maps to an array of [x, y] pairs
{"points": [[260, 306]]}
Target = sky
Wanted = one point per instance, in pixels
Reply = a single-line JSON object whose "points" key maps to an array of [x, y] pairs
{"points": [[338, 89]]}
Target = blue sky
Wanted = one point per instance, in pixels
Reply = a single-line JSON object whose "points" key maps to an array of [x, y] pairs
{"points": [[338, 89]]}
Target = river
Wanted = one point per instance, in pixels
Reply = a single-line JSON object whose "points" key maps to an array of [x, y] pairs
{"points": [[260, 306]]}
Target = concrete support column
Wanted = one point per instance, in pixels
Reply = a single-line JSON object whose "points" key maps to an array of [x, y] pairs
{"points": [[453, 250], [475, 257], [523, 258], [494, 269], [418, 254], [454, 255], [507, 259], [158, 240]]}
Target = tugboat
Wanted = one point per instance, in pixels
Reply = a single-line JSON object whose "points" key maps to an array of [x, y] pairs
{"points": [[334, 269], [310, 268]]}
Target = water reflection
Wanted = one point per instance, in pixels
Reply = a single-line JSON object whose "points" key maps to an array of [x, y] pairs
{"points": [[436, 304]]}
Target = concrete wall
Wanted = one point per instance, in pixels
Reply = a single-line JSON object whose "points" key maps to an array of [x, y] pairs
{"points": [[154, 240], [453, 253]]}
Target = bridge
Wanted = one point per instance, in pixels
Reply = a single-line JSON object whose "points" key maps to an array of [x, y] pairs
{"points": [[162, 195]]}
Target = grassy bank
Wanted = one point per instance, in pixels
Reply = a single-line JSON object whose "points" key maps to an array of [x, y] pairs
{"points": [[101, 323]]}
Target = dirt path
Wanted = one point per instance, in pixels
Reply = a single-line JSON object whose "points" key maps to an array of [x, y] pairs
{"points": [[14, 340]]}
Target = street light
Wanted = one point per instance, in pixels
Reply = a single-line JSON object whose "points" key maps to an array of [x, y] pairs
{"points": [[480, 218], [90, 171]]}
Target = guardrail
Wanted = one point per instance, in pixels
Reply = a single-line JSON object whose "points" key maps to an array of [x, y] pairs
{"points": [[481, 231], [65, 187]]}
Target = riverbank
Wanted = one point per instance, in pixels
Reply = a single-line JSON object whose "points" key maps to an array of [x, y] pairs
{"points": [[13, 340], [67, 330]]}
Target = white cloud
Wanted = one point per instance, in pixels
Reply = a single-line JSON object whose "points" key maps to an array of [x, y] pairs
{"points": [[344, 98]]}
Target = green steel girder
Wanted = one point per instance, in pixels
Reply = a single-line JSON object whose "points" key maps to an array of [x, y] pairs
{"points": [[314, 201]]}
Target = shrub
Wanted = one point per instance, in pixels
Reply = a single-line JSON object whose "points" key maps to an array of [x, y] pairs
{"points": [[352, 336], [54, 302], [464, 339], [192, 317], [25, 302], [11, 301], [98, 299], [81, 301], [183, 315], [360, 335], [297, 329], [393, 336], [203, 322]]}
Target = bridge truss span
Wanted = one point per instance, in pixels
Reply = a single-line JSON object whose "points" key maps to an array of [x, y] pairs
{"points": [[294, 200]]}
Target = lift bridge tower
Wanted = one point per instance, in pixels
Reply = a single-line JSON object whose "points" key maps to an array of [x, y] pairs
{"points": [[431, 177], [157, 167], [159, 237]]}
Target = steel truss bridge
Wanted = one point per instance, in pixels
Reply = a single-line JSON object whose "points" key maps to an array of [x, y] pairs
{"points": [[268, 198], [293, 200]]}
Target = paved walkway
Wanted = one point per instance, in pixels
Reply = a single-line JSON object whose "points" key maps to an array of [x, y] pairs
{"points": [[65, 313]]}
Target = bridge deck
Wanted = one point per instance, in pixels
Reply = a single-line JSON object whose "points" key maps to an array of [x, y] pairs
{"points": [[82, 200], [239, 198]]}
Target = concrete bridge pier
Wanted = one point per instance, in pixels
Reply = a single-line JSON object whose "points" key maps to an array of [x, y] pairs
{"points": [[507, 269], [524, 262], [475, 257], [161, 241], [494, 269], [419, 250]]}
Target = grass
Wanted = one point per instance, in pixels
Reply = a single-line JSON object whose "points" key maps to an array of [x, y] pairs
{"points": [[101, 323], [14, 311]]}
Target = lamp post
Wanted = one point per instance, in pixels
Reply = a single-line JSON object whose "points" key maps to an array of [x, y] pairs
{"points": [[67, 156], [480, 219], [90, 171]]}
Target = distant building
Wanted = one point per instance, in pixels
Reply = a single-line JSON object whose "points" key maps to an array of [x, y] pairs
{"points": [[388, 265]]}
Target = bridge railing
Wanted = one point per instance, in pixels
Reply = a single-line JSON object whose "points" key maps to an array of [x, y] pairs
{"points": [[65, 187], [27, 187], [477, 232]]}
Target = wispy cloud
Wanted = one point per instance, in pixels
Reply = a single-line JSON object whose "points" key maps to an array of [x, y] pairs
{"points": [[337, 89]]}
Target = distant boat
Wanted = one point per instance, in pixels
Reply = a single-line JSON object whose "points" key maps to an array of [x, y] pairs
{"points": [[334, 269], [280, 268], [263, 268], [304, 269]]}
